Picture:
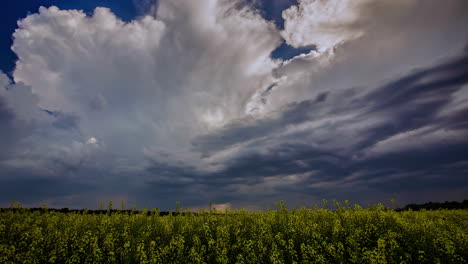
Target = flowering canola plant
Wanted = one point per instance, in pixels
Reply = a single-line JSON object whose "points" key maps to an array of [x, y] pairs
{"points": [[349, 234]]}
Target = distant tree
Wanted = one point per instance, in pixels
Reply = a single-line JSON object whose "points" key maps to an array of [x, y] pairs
{"points": [[436, 206]]}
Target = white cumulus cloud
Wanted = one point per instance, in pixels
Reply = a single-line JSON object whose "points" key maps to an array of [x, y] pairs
{"points": [[320, 23]]}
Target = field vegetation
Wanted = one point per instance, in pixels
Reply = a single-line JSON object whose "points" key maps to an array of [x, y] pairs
{"points": [[346, 234]]}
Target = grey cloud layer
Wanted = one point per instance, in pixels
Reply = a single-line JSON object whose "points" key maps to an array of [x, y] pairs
{"points": [[188, 104]]}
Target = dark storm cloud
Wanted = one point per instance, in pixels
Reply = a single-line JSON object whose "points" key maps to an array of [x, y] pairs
{"points": [[174, 174], [199, 104], [10, 130], [170, 181], [321, 97], [341, 177], [34, 188], [427, 168], [434, 84], [7, 130], [415, 100], [66, 121], [251, 128], [409, 103], [6, 119]]}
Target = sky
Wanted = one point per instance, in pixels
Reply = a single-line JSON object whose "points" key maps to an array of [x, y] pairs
{"points": [[241, 103]]}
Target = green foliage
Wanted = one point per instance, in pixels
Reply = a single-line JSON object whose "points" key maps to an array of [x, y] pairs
{"points": [[348, 234]]}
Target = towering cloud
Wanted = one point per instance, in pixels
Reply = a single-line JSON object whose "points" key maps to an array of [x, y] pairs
{"points": [[186, 102]]}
